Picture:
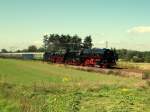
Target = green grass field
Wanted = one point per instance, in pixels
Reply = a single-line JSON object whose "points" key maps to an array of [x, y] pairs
{"points": [[34, 86]]}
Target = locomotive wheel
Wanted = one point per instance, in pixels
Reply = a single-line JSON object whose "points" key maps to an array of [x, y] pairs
{"points": [[105, 66], [101, 66], [87, 62]]}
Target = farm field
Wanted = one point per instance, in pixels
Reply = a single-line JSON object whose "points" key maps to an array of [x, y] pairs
{"points": [[35, 86], [141, 66]]}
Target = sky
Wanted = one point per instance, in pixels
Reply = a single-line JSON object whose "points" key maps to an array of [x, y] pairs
{"points": [[123, 23]]}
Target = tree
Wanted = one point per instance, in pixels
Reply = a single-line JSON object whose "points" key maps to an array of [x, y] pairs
{"points": [[115, 53], [32, 48], [137, 59], [41, 49], [87, 42], [65, 41], [55, 42], [122, 54], [45, 41], [76, 42], [24, 50], [4, 51], [147, 57], [18, 51]]}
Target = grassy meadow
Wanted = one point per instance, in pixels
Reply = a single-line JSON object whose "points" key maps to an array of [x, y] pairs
{"points": [[141, 66], [35, 86]]}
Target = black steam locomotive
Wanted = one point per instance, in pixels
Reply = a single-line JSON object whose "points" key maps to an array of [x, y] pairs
{"points": [[85, 57]]}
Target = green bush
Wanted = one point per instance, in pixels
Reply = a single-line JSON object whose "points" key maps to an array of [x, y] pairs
{"points": [[146, 75], [137, 59], [148, 82]]}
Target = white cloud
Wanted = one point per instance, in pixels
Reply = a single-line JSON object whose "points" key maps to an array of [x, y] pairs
{"points": [[139, 29]]}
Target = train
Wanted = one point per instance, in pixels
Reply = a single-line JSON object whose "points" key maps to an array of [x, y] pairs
{"points": [[23, 55], [94, 57]]}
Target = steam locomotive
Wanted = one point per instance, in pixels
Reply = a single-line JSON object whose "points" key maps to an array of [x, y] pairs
{"points": [[85, 57]]}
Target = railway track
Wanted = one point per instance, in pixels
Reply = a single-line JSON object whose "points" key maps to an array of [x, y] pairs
{"points": [[127, 72]]}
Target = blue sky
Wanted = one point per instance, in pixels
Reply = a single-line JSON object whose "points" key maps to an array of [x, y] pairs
{"points": [[123, 23]]}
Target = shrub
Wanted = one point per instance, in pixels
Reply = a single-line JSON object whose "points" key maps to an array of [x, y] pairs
{"points": [[137, 59], [146, 75], [148, 82]]}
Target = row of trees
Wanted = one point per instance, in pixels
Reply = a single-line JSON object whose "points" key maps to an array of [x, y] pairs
{"points": [[135, 56], [31, 48], [54, 42]]}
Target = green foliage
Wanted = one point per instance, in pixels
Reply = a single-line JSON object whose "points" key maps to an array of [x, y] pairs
{"points": [[135, 56], [32, 48], [148, 82], [137, 59], [147, 58], [106, 98], [76, 100], [7, 106], [87, 42], [146, 75], [41, 49], [4, 51], [45, 41], [54, 42]]}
